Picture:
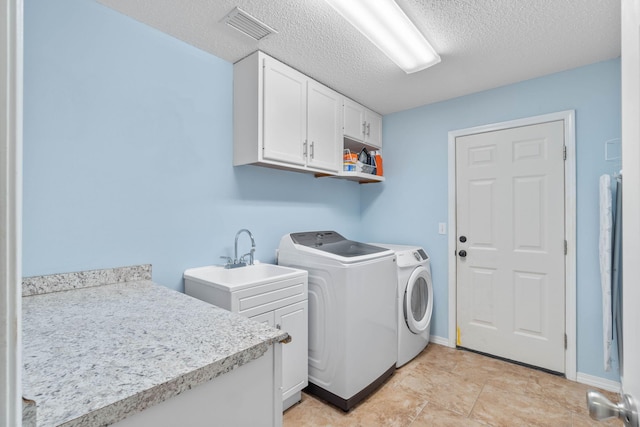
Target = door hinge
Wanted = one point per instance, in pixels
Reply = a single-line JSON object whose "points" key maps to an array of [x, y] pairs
{"points": [[565, 341], [565, 247], [564, 152]]}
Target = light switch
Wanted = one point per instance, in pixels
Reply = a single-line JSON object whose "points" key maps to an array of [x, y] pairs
{"points": [[442, 228]]}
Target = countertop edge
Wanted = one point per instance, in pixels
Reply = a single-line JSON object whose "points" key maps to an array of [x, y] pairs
{"points": [[29, 415]]}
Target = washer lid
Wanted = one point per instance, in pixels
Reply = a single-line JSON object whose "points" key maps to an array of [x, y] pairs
{"points": [[334, 243]]}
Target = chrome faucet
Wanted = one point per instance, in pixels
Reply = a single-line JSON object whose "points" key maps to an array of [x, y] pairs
{"points": [[241, 262]]}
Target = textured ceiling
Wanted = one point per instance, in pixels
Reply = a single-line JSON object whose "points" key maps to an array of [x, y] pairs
{"points": [[483, 43]]}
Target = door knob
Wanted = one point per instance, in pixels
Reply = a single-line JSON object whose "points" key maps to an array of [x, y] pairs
{"points": [[462, 253], [463, 239], [601, 408]]}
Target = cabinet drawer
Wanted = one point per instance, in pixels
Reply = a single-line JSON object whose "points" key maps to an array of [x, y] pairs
{"points": [[273, 299]]}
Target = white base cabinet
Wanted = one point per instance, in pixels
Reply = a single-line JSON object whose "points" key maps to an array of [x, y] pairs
{"points": [[293, 319], [246, 396], [282, 304]]}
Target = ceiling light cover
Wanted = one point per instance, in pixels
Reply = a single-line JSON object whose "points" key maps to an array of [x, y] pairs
{"points": [[389, 28], [247, 24]]}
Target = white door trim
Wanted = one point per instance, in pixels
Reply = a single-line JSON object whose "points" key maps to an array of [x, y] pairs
{"points": [[10, 212], [570, 224]]}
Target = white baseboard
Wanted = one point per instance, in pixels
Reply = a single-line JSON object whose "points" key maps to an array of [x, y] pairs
{"points": [[599, 382], [439, 340]]}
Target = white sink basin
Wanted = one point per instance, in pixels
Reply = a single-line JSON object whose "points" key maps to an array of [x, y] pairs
{"points": [[241, 277]]}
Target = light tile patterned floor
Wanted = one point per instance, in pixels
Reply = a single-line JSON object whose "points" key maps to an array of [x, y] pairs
{"points": [[448, 387]]}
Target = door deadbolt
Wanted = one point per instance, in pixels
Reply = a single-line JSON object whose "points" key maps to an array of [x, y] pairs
{"points": [[463, 239]]}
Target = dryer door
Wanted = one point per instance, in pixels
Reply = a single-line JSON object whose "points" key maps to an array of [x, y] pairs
{"points": [[418, 300]]}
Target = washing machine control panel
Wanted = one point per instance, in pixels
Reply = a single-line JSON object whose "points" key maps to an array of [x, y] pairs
{"points": [[411, 258]]}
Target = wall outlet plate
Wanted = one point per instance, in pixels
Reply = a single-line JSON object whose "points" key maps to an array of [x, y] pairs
{"points": [[442, 228]]}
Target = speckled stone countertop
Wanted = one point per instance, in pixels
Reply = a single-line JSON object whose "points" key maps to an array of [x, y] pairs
{"points": [[93, 355]]}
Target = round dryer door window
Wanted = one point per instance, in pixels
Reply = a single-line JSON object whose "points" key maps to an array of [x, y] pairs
{"points": [[418, 301]]}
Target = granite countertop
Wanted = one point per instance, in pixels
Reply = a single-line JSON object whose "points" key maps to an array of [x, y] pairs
{"points": [[94, 354]]}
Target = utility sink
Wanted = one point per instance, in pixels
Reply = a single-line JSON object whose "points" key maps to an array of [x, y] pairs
{"points": [[269, 295], [239, 278]]}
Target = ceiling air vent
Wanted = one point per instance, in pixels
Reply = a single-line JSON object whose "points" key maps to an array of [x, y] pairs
{"points": [[247, 24]]}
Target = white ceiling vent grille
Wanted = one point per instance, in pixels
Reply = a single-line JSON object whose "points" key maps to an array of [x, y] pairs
{"points": [[247, 24]]}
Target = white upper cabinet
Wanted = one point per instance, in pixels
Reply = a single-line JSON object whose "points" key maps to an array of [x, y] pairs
{"points": [[285, 113], [283, 118], [362, 124], [373, 132], [323, 127], [354, 124]]}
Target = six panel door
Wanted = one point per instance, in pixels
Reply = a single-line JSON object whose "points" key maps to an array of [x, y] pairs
{"points": [[510, 223]]}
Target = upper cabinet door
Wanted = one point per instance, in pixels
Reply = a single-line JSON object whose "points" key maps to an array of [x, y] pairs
{"points": [[354, 124], [362, 124], [285, 113], [373, 128], [324, 126]]}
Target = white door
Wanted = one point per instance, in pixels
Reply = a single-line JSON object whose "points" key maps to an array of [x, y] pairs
{"points": [[631, 197], [599, 406], [511, 243], [285, 113], [324, 127], [293, 319]]}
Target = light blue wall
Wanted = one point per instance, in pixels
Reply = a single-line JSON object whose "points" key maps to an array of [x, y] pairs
{"points": [[128, 153], [413, 199], [128, 160]]}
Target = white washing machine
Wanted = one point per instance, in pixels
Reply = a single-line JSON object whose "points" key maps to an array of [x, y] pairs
{"points": [[352, 313], [414, 299]]}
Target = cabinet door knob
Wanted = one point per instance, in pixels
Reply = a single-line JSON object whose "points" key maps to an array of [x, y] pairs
{"points": [[364, 128], [368, 129]]}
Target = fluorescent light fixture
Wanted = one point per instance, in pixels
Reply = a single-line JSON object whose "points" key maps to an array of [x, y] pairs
{"points": [[389, 28]]}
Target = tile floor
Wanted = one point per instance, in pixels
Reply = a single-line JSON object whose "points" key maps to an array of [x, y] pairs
{"points": [[448, 387]]}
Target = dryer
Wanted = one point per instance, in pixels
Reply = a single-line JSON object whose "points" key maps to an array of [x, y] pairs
{"points": [[352, 313], [414, 300]]}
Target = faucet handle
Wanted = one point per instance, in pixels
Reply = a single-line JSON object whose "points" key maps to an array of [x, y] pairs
{"points": [[243, 258], [228, 258]]}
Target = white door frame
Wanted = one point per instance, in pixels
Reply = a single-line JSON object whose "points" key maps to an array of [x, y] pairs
{"points": [[10, 212], [569, 224]]}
